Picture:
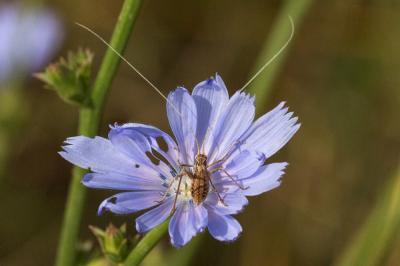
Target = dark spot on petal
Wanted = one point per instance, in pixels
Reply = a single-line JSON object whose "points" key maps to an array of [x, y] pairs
{"points": [[162, 143], [113, 200], [173, 172], [152, 158], [137, 166], [160, 157]]}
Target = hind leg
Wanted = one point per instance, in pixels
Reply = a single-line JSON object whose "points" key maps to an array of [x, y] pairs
{"points": [[230, 177], [177, 193], [219, 195]]}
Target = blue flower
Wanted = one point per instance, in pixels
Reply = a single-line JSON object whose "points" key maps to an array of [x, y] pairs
{"points": [[28, 38], [146, 163]]}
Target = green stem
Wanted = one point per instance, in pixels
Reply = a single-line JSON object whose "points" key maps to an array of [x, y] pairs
{"points": [[89, 121], [379, 231], [146, 244], [280, 32]]}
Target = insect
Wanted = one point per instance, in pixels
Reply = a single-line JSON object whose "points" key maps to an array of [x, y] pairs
{"points": [[200, 174], [196, 179]]}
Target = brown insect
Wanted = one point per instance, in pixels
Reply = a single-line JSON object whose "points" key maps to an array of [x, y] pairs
{"points": [[201, 179]]}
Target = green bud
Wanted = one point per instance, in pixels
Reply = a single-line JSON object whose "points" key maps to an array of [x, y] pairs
{"points": [[113, 242], [70, 77]]}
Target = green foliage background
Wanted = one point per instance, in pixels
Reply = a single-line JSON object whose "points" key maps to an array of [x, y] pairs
{"points": [[341, 77]]}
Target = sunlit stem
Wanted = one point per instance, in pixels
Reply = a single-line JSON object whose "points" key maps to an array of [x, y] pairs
{"points": [[280, 31], [89, 121], [370, 243], [148, 242]]}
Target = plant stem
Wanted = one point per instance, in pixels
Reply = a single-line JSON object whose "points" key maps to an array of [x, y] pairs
{"points": [[381, 227], [146, 244], [89, 121], [279, 34]]}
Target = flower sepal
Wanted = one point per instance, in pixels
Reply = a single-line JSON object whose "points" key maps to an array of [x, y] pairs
{"points": [[113, 242], [70, 77]]}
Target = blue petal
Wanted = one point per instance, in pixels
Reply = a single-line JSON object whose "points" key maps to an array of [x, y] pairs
{"points": [[186, 222], [100, 155], [135, 145], [152, 134], [132, 143], [182, 116], [265, 179], [237, 117], [244, 164], [234, 203], [129, 202], [120, 182], [239, 166], [223, 227], [44, 42], [271, 132], [211, 97], [21, 26], [154, 217], [200, 218]]}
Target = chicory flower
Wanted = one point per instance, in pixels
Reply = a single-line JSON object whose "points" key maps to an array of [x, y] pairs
{"points": [[28, 38], [146, 163]]}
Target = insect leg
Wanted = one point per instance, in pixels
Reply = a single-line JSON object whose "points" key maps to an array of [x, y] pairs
{"points": [[185, 165], [230, 177], [219, 195], [226, 156], [164, 195], [177, 192]]}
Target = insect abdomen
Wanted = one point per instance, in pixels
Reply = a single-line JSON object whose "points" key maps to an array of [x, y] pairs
{"points": [[200, 187]]}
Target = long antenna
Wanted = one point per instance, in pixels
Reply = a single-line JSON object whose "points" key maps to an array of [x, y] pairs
{"points": [[135, 69], [126, 61], [273, 57]]}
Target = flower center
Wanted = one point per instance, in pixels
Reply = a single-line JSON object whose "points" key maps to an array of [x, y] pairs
{"points": [[183, 189]]}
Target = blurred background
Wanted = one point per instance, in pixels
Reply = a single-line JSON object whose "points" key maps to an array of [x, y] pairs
{"points": [[340, 77]]}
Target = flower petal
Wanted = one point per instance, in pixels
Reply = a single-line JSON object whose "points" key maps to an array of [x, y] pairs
{"points": [[244, 164], [100, 155], [238, 116], [270, 132], [153, 134], [234, 203], [265, 179], [211, 97], [186, 222], [136, 146], [129, 202], [182, 116], [154, 217], [200, 218], [223, 227], [121, 182], [237, 168]]}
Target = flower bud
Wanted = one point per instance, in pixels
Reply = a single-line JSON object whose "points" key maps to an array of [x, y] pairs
{"points": [[70, 77], [113, 242]]}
